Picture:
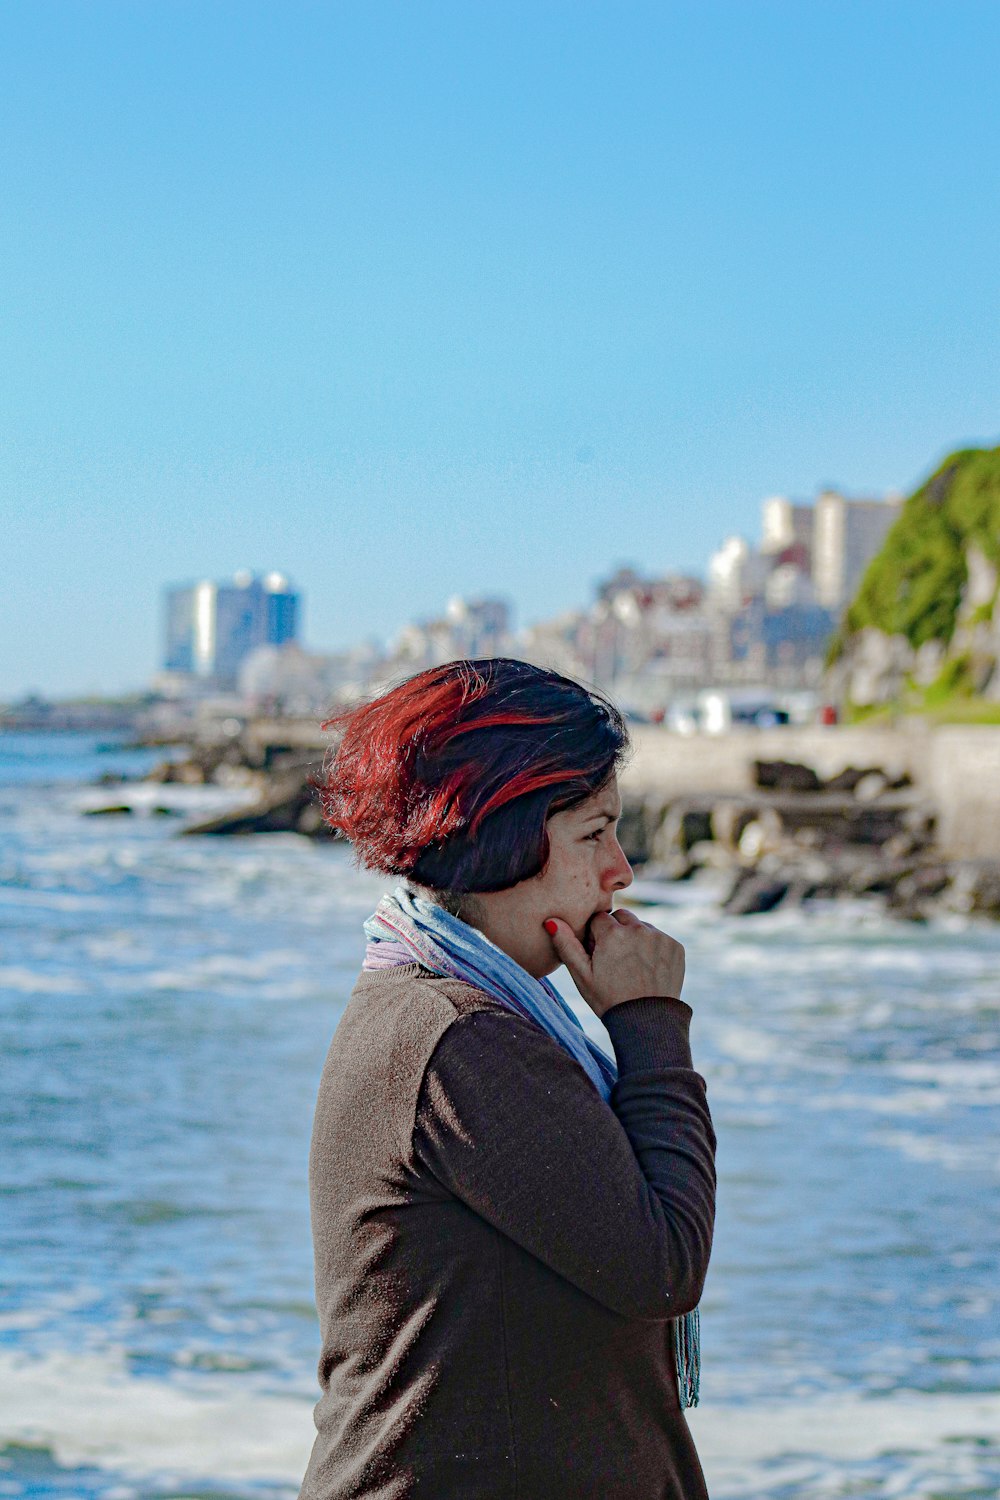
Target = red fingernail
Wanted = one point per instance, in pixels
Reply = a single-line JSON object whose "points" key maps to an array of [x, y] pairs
{"points": [[551, 927]]}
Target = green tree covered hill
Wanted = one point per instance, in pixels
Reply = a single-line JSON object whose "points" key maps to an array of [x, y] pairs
{"points": [[924, 619]]}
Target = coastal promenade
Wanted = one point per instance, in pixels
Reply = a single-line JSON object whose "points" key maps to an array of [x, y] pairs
{"points": [[955, 768]]}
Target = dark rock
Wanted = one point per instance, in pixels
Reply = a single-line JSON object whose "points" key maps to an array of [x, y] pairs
{"points": [[643, 830], [913, 889], [279, 812], [798, 891], [753, 893], [290, 806], [847, 779], [786, 776], [913, 910], [975, 887], [164, 773], [850, 777], [904, 843], [118, 810], [876, 876], [807, 838], [730, 816], [684, 825], [695, 827], [920, 819], [310, 821], [633, 831]]}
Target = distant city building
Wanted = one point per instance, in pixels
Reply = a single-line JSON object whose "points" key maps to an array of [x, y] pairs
{"points": [[212, 627], [480, 627], [642, 639], [846, 536], [671, 590], [558, 644], [736, 575], [789, 582], [785, 523], [764, 615], [469, 628], [288, 680], [620, 580]]}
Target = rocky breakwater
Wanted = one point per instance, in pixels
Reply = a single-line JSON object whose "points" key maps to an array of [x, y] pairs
{"points": [[795, 836], [914, 823], [283, 777], [275, 769]]}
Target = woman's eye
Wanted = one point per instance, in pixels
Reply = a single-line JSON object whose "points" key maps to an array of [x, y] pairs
{"points": [[596, 834]]}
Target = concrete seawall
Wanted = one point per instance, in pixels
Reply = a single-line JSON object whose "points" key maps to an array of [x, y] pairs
{"points": [[956, 767]]}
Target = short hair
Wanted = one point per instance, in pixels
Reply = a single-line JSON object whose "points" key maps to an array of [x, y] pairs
{"points": [[450, 776]]}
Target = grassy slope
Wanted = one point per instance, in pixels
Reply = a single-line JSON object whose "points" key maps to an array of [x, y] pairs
{"points": [[913, 586]]}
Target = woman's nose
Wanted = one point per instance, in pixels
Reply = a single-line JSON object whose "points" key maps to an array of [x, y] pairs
{"points": [[619, 873]]}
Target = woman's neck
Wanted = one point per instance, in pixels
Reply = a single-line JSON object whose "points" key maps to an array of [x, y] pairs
{"points": [[497, 915]]}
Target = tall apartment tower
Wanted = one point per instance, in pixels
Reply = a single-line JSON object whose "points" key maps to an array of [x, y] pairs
{"points": [[846, 536], [212, 627], [783, 524]]}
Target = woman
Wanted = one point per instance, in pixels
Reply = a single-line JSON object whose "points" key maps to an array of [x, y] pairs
{"points": [[511, 1230]]}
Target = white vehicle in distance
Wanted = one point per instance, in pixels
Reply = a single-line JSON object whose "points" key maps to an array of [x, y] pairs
{"points": [[683, 716], [723, 709]]}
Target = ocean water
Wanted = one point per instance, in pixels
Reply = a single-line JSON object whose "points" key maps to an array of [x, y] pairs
{"points": [[165, 1008]]}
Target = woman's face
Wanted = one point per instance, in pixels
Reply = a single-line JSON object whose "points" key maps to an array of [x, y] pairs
{"points": [[585, 867]]}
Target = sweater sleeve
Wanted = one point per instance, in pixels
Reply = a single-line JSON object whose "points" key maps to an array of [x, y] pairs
{"points": [[620, 1201]]}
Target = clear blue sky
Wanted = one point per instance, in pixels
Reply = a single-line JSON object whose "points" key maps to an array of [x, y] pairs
{"points": [[420, 298]]}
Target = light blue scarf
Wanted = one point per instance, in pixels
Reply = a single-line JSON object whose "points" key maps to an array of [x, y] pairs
{"points": [[405, 927]]}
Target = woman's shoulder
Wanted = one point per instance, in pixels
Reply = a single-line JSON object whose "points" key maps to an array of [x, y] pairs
{"points": [[392, 1025], [403, 1012], [421, 990]]}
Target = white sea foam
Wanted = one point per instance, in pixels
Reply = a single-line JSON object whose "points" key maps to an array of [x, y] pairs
{"points": [[976, 1079], [954, 1156], [220, 971], [15, 895], [143, 796], [919, 1438], [88, 1409], [905, 1102], [744, 1044], [35, 982]]}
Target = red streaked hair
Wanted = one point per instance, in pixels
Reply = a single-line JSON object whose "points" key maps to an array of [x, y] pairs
{"points": [[450, 776]]}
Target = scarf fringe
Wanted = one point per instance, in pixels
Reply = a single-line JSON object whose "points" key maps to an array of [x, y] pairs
{"points": [[687, 1356]]}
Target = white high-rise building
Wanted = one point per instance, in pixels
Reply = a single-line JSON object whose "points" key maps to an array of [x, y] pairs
{"points": [[846, 536], [783, 524], [212, 627]]}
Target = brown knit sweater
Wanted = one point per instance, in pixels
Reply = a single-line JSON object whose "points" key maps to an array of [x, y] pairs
{"points": [[498, 1254]]}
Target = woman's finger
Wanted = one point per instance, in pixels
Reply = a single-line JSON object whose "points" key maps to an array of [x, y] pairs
{"points": [[569, 948]]}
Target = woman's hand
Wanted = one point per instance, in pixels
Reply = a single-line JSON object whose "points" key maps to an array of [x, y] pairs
{"points": [[628, 959]]}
